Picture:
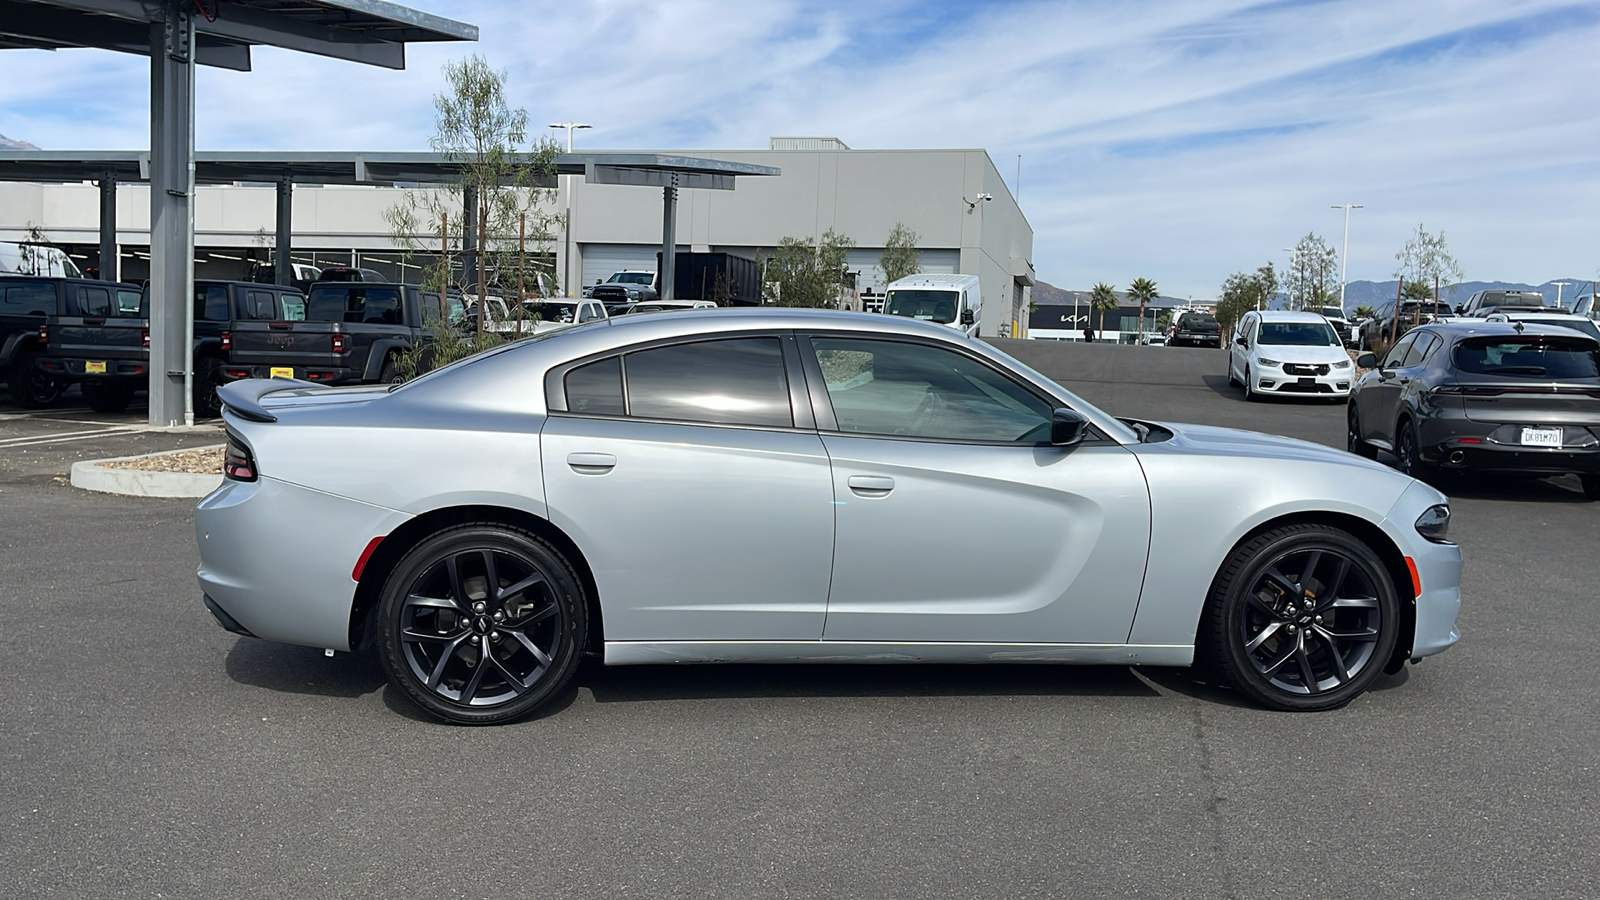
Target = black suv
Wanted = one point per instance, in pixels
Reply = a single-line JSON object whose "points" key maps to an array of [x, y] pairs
{"points": [[26, 305], [351, 333], [1483, 396]]}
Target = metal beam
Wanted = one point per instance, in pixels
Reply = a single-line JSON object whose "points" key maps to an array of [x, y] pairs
{"points": [[108, 227], [669, 243], [281, 248], [171, 215]]}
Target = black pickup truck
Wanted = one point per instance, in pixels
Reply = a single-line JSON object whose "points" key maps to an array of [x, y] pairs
{"points": [[26, 305], [110, 354], [352, 333]]}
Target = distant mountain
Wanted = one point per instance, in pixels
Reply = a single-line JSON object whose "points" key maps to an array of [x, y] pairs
{"points": [[1380, 294], [9, 144], [1046, 294]]}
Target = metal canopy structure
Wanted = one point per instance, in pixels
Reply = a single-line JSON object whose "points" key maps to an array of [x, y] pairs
{"points": [[177, 35]]}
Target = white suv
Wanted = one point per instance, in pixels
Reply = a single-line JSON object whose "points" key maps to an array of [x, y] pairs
{"points": [[1281, 352]]}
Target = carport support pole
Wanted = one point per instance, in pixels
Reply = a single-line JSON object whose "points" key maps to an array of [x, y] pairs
{"points": [[108, 226], [171, 214], [669, 242], [280, 253], [469, 236]]}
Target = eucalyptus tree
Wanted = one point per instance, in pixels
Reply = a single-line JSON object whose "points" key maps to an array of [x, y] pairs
{"points": [[899, 257]]}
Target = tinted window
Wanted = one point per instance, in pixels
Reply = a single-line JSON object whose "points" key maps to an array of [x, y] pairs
{"points": [[892, 388], [94, 301], [1420, 349], [1197, 322], [432, 309], [1531, 356], [30, 298], [1398, 352], [596, 388], [292, 307], [211, 302], [261, 305], [373, 306], [130, 302], [732, 382]]}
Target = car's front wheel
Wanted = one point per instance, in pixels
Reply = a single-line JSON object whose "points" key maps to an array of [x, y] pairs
{"points": [[481, 624], [1353, 440], [1300, 618]]}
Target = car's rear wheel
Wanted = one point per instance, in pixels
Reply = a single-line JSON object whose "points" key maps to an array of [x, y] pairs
{"points": [[1354, 443], [1408, 451], [207, 378], [31, 386], [1301, 618], [390, 374], [481, 624]]}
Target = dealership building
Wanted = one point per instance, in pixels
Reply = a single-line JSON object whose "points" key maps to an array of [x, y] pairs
{"points": [[964, 214]]}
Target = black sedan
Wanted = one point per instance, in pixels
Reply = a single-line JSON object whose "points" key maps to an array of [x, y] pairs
{"points": [[1491, 397]]}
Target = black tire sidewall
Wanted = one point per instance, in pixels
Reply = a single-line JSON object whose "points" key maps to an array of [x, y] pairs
{"points": [[565, 585], [20, 382], [206, 381], [1227, 605]]}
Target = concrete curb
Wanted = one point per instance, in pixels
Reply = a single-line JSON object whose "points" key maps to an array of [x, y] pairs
{"points": [[93, 475]]}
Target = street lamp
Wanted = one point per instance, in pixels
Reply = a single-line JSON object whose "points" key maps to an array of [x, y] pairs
{"points": [[1559, 285], [566, 217], [1344, 250], [1288, 292]]}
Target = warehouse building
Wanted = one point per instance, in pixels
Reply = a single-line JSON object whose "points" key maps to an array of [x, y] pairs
{"points": [[955, 200]]}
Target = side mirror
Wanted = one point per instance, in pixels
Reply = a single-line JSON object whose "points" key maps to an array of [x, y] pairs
{"points": [[1241, 341], [967, 317], [1067, 427], [1461, 310], [1367, 361]]}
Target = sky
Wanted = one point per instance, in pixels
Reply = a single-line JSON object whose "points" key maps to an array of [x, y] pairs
{"points": [[1177, 140]]}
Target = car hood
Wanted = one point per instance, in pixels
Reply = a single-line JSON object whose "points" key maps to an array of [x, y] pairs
{"points": [[1300, 354], [1210, 439]]}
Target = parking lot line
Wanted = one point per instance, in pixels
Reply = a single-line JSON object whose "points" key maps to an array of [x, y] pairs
{"points": [[37, 440]]}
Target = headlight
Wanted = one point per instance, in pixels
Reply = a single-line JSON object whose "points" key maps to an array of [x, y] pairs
{"points": [[1262, 360], [633, 294], [1434, 523], [1342, 364]]}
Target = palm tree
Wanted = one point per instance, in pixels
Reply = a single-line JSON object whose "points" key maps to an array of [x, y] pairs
{"points": [[1142, 290], [1102, 297]]}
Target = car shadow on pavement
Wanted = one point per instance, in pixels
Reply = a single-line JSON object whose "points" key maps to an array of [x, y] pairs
{"points": [[288, 669], [1192, 683], [1560, 489], [1219, 385], [626, 684]]}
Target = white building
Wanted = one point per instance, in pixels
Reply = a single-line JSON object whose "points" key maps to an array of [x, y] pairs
{"points": [[956, 201]]}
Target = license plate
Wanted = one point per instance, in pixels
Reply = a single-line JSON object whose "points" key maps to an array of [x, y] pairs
{"points": [[95, 367], [282, 371], [1541, 437], [1308, 382]]}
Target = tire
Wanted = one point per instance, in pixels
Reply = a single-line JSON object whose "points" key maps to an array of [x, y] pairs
{"points": [[1591, 486], [106, 398], [1354, 443], [207, 378], [1408, 452], [31, 387], [389, 374], [1260, 637], [437, 623], [1232, 381], [1250, 395]]}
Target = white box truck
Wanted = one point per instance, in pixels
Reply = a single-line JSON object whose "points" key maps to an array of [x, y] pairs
{"points": [[953, 300]]}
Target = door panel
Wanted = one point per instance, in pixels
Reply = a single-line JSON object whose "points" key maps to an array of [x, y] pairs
{"points": [[958, 542], [695, 532]]}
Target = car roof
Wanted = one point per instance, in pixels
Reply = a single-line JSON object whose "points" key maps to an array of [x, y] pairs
{"points": [[1463, 328], [1288, 315]]}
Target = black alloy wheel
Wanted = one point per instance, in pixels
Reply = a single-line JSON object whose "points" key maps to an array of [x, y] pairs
{"points": [[31, 386], [1353, 441], [481, 624], [207, 378], [1301, 618], [1408, 451]]}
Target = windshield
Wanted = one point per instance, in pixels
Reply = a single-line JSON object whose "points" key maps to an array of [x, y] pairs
{"points": [[632, 278], [1299, 334], [551, 311], [1333, 312], [1533, 356], [927, 305]]}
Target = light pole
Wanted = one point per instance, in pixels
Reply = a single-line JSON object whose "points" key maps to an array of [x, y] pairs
{"points": [[1291, 272], [566, 216], [1559, 285], [1344, 250]]}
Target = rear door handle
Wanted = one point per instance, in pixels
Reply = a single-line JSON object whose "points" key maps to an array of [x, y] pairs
{"points": [[871, 485], [591, 463]]}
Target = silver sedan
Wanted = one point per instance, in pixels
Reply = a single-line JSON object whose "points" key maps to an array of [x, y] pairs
{"points": [[801, 486]]}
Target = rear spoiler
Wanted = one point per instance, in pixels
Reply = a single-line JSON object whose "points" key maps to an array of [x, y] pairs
{"points": [[244, 397]]}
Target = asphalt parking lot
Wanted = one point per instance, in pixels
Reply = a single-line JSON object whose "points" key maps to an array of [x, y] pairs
{"points": [[148, 753]]}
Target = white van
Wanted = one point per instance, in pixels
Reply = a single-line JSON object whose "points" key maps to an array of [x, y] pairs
{"points": [[36, 259], [952, 300]]}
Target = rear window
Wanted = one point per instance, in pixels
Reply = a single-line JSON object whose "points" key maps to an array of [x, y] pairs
{"points": [[1298, 334], [1198, 322], [1529, 357], [28, 298], [364, 305]]}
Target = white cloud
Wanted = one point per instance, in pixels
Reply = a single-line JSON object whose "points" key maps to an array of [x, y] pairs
{"points": [[1175, 139]]}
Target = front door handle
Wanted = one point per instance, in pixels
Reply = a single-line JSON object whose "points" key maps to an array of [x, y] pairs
{"points": [[871, 485], [591, 463]]}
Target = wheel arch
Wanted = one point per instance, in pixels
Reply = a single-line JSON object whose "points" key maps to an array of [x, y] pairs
{"points": [[395, 545], [1394, 563]]}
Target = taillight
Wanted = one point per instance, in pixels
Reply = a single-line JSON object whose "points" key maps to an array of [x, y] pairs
{"points": [[144, 337], [44, 334], [227, 340], [237, 461], [338, 343]]}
